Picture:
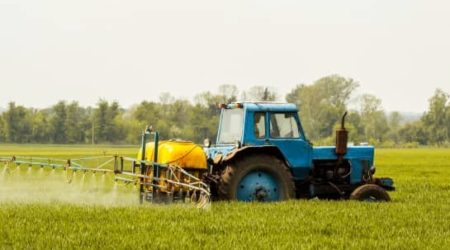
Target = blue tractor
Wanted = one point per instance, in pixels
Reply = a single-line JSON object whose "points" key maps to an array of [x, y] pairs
{"points": [[263, 154]]}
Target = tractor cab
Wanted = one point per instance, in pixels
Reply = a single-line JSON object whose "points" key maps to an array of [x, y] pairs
{"points": [[266, 127], [262, 153]]}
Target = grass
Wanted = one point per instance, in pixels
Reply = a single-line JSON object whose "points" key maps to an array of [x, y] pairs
{"points": [[417, 218]]}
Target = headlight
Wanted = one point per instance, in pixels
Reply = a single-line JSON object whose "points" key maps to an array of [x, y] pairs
{"points": [[207, 143]]}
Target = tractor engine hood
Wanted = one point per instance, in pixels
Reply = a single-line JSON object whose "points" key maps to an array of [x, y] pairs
{"points": [[354, 152]]}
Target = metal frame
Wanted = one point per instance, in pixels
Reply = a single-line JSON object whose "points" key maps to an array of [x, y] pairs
{"points": [[147, 178]]}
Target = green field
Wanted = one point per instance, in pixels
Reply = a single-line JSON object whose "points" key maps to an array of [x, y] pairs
{"points": [[38, 209]]}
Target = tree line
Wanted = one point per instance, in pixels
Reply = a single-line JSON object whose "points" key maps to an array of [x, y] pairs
{"points": [[321, 105]]}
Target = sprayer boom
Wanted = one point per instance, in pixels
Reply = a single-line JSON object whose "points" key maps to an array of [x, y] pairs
{"points": [[175, 185]]}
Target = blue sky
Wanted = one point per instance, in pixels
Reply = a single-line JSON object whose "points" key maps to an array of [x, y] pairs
{"points": [[131, 51]]}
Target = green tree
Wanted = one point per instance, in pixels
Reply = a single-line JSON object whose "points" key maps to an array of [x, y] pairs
{"points": [[413, 132], [322, 103], [76, 123], [203, 123], [394, 125], [130, 126], [104, 119], [355, 127], [373, 118], [58, 122], [204, 116], [436, 120], [2, 129], [178, 118], [101, 121], [447, 120], [148, 113], [41, 132], [17, 124]]}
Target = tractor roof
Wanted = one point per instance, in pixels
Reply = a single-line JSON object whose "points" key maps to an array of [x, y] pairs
{"points": [[270, 106]]}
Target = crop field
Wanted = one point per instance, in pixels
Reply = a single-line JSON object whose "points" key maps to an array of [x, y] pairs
{"points": [[39, 209]]}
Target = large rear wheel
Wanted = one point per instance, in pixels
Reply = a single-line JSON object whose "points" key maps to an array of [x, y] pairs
{"points": [[256, 178]]}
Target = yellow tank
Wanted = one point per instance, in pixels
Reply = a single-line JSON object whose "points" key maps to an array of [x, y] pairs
{"points": [[185, 154]]}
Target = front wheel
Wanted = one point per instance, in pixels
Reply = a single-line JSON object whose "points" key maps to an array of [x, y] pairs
{"points": [[370, 192], [257, 178]]}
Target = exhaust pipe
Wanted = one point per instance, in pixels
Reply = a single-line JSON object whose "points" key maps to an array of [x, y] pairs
{"points": [[341, 139]]}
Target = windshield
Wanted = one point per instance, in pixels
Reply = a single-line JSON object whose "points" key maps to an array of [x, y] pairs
{"points": [[231, 126]]}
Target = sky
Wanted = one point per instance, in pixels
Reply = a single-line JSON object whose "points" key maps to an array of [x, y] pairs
{"points": [[130, 51]]}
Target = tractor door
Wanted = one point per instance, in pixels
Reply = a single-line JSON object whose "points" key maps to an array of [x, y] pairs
{"points": [[284, 130]]}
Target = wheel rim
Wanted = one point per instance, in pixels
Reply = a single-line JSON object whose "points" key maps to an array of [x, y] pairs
{"points": [[258, 186]]}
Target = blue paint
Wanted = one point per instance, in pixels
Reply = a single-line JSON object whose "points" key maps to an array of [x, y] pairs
{"points": [[258, 186], [297, 151], [356, 175], [354, 152], [355, 155]]}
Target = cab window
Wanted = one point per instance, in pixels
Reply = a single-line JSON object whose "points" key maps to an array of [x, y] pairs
{"points": [[259, 125], [283, 125], [231, 126]]}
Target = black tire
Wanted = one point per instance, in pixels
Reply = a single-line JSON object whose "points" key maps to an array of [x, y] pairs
{"points": [[234, 172], [370, 192]]}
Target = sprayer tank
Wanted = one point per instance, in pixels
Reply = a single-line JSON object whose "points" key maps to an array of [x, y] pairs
{"points": [[185, 154]]}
